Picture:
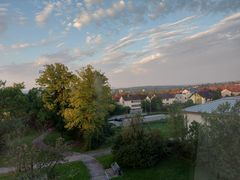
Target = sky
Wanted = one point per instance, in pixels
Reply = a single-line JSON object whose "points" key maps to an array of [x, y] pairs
{"points": [[134, 42]]}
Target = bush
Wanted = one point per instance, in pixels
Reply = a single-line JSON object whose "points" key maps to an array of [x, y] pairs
{"points": [[137, 146], [186, 147]]}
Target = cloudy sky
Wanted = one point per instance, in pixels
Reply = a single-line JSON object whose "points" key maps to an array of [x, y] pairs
{"points": [[134, 42]]}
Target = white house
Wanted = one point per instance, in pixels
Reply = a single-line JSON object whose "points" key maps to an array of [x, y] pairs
{"points": [[186, 92], [132, 101], [182, 98], [194, 113], [167, 99], [226, 92]]}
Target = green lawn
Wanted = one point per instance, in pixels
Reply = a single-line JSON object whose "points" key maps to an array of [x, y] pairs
{"points": [[162, 126], [169, 169], [106, 160], [74, 170]]}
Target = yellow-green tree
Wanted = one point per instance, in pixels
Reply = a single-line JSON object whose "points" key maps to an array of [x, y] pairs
{"points": [[56, 82], [89, 102]]}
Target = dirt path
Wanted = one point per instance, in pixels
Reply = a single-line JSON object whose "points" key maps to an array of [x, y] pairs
{"points": [[96, 170]]}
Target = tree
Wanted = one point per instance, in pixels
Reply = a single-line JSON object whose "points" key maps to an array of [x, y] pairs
{"points": [[153, 105], [177, 122], [219, 142], [156, 104], [89, 103], [119, 109], [13, 102], [56, 81], [137, 146], [38, 115]]}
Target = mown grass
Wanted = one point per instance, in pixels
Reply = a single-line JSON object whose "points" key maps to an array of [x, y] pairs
{"points": [[168, 169], [162, 126], [106, 161], [75, 170]]}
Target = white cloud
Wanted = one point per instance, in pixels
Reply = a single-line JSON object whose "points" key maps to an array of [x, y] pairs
{"points": [[86, 17], [60, 45], [94, 39], [148, 59], [20, 46], [43, 15], [89, 3], [232, 22]]}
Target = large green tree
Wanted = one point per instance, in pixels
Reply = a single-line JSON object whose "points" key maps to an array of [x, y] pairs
{"points": [[56, 81], [219, 143], [89, 100], [12, 101], [38, 115]]}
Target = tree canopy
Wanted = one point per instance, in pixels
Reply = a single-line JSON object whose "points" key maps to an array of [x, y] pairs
{"points": [[89, 102]]}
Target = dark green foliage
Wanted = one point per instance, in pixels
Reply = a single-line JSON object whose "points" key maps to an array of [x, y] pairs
{"points": [[155, 105], [216, 94], [119, 109], [137, 146], [38, 115], [177, 123], [13, 102], [219, 142]]}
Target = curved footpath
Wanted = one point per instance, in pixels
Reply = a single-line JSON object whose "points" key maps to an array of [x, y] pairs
{"points": [[96, 170]]}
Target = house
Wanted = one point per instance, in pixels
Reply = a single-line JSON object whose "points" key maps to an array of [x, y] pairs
{"points": [[182, 98], [185, 91], [226, 92], [167, 99], [194, 113], [207, 94], [197, 98], [132, 101], [235, 90]]}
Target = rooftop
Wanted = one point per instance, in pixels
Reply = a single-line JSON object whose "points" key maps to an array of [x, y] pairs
{"points": [[213, 105]]}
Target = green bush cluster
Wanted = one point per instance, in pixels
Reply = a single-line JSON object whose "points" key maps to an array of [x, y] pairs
{"points": [[137, 146]]}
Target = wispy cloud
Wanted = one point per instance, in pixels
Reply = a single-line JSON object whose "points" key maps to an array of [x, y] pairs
{"points": [[86, 17], [43, 15], [94, 39], [3, 17]]}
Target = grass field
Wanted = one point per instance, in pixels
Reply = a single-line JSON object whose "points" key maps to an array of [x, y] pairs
{"points": [[74, 170], [169, 169], [162, 126], [106, 160]]}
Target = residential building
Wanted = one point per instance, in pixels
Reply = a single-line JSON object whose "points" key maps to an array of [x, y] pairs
{"points": [[167, 99], [197, 98], [207, 94], [182, 98], [226, 92], [132, 101], [194, 113]]}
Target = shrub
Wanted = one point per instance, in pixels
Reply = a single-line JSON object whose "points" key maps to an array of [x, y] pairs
{"points": [[137, 146]]}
